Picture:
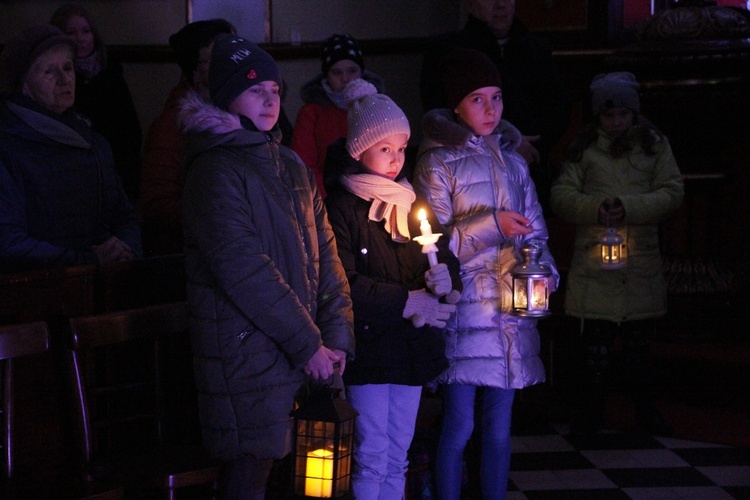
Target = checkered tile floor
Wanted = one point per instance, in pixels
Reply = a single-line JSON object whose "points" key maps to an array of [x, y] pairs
{"points": [[549, 462]]}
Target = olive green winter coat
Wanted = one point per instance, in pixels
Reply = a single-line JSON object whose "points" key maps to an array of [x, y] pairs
{"points": [[651, 188]]}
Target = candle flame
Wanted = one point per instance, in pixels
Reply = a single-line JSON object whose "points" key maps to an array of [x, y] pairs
{"points": [[421, 214]]}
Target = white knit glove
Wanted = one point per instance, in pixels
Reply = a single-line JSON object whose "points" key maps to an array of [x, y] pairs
{"points": [[453, 297], [438, 279], [424, 308]]}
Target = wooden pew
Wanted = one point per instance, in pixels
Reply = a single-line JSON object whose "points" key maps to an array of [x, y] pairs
{"points": [[55, 296]]}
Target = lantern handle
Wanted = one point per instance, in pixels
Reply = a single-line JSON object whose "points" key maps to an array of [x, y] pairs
{"points": [[333, 385]]}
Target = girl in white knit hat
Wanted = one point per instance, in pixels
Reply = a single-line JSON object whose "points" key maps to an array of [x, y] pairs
{"points": [[400, 302]]}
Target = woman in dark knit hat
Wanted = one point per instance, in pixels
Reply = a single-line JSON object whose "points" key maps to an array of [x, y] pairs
{"points": [[322, 118], [481, 191], [268, 296], [61, 201]]}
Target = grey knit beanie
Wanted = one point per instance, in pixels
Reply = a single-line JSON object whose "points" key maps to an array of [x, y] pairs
{"points": [[21, 51], [614, 90], [371, 118]]}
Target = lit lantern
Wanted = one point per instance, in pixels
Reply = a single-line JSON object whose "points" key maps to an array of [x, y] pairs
{"points": [[323, 441], [613, 249], [530, 284]]}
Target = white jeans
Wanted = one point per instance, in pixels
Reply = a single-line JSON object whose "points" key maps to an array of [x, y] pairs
{"points": [[382, 435]]}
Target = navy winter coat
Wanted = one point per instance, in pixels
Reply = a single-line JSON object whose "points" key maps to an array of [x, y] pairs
{"points": [[265, 284], [59, 192]]}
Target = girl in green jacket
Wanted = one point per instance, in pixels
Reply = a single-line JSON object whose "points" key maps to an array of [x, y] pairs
{"points": [[618, 173]]}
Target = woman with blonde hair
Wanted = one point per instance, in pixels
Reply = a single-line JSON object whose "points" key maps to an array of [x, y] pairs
{"points": [[102, 94]]}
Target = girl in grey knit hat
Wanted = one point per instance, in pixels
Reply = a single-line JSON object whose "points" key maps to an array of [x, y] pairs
{"points": [[618, 174]]}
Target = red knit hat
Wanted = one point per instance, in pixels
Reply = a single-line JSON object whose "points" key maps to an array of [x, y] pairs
{"points": [[466, 70]]}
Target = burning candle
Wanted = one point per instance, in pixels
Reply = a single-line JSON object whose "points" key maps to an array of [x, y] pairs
{"points": [[424, 224], [530, 284], [319, 474], [428, 238]]}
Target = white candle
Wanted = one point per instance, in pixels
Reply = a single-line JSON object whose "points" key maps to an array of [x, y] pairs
{"points": [[424, 224], [319, 474], [428, 239]]}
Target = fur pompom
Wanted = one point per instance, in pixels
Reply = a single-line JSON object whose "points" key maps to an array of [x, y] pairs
{"points": [[358, 89]]}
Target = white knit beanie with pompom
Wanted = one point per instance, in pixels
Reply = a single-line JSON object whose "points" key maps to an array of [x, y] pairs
{"points": [[371, 118]]}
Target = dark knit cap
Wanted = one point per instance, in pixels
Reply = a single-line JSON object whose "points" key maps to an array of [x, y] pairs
{"points": [[466, 70], [614, 90], [236, 65], [187, 42], [339, 47], [21, 51]]}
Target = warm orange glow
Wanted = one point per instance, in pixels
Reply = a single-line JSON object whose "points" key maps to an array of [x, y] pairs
{"points": [[611, 254], [535, 289], [425, 224], [319, 474], [539, 295]]}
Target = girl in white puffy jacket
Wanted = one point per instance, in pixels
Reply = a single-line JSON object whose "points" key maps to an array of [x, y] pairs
{"points": [[480, 190]]}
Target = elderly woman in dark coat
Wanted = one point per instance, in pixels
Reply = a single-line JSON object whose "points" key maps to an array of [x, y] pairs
{"points": [[61, 201], [266, 287]]}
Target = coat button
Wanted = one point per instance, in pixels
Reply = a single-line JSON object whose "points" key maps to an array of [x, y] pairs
{"points": [[363, 251]]}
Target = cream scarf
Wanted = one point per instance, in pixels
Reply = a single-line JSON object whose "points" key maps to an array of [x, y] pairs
{"points": [[390, 201]]}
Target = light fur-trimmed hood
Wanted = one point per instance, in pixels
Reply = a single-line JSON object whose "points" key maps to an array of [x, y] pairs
{"points": [[441, 129], [197, 115], [206, 127]]}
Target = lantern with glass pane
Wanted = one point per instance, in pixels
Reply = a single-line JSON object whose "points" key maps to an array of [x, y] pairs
{"points": [[323, 441], [613, 254], [530, 284]]}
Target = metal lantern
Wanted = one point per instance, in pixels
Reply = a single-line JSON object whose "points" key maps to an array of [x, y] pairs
{"points": [[323, 442], [530, 284], [613, 249]]}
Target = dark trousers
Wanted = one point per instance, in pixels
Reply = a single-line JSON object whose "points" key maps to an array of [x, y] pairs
{"points": [[598, 338], [245, 478]]}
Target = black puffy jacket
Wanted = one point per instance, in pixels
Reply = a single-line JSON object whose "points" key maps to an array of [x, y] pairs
{"points": [[381, 272]]}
